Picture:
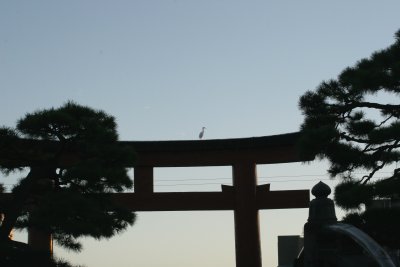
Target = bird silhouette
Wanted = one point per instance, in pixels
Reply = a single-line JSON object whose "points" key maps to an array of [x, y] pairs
{"points": [[201, 134]]}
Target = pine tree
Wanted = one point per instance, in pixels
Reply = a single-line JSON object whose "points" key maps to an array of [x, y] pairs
{"points": [[354, 123], [78, 160]]}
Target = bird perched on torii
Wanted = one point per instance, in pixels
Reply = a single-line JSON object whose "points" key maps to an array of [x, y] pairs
{"points": [[201, 134]]}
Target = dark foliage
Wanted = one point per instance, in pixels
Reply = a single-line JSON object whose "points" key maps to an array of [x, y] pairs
{"points": [[354, 123], [16, 254], [63, 198]]}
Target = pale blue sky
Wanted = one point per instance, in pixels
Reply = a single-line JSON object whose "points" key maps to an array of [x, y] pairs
{"points": [[166, 68]]}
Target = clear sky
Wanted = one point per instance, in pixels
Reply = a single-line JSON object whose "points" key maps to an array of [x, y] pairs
{"points": [[166, 68]]}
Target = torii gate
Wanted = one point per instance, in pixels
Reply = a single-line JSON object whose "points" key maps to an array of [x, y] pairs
{"points": [[245, 197]]}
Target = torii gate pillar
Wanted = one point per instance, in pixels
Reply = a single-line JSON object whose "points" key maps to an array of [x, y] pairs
{"points": [[247, 228]]}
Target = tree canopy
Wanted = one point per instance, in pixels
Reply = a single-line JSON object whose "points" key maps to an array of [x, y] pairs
{"points": [[354, 122], [65, 199]]}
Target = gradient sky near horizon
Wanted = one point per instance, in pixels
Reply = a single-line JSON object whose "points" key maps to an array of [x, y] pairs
{"points": [[166, 68]]}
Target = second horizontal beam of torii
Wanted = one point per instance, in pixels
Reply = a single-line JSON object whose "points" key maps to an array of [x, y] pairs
{"points": [[205, 201]]}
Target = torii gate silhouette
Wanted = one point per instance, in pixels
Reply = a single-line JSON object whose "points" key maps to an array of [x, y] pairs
{"points": [[245, 197]]}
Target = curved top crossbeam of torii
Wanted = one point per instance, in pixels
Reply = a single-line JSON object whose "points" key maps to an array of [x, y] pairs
{"points": [[245, 197], [217, 152]]}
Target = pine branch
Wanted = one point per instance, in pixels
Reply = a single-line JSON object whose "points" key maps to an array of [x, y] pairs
{"points": [[383, 148], [374, 106], [353, 139], [384, 121], [368, 177]]}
